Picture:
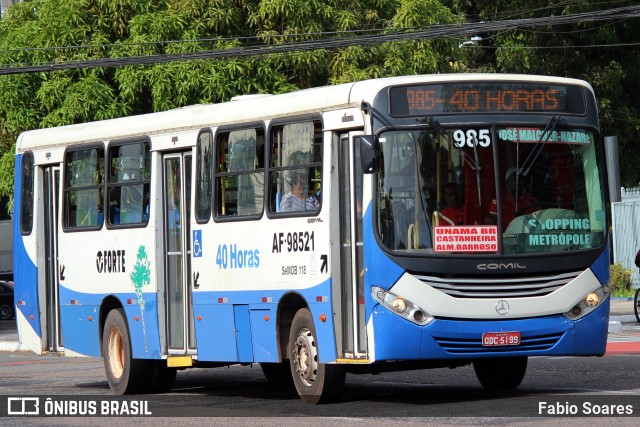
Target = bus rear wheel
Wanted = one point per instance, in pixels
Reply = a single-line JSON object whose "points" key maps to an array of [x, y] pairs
{"points": [[315, 382], [125, 374], [502, 373]]}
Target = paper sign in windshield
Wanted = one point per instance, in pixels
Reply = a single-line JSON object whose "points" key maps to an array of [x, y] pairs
{"points": [[477, 238]]}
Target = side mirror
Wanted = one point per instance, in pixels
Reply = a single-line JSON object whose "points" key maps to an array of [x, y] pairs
{"points": [[369, 153], [638, 259]]}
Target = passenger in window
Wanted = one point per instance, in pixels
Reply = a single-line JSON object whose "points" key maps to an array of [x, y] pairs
{"points": [[454, 209], [297, 199]]}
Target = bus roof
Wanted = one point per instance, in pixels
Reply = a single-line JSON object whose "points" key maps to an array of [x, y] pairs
{"points": [[248, 108]]}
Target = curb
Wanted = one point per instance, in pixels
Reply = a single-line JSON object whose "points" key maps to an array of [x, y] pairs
{"points": [[614, 326], [12, 346]]}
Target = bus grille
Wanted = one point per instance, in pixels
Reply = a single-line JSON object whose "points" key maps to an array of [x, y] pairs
{"points": [[469, 346], [518, 287]]}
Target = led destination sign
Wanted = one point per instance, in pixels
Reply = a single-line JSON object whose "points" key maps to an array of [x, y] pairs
{"points": [[505, 97]]}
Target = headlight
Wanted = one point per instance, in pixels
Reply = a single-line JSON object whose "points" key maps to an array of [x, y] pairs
{"points": [[588, 303], [401, 306]]}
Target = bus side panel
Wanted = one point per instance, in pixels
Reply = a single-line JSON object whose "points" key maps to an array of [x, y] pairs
{"points": [[217, 319], [25, 276], [263, 331], [142, 319], [80, 321], [214, 332], [80, 314]]}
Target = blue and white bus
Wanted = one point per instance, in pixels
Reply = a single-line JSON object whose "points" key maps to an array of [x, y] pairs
{"points": [[396, 223]]}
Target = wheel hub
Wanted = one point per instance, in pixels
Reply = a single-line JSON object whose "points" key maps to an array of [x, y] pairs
{"points": [[305, 356], [116, 353]]}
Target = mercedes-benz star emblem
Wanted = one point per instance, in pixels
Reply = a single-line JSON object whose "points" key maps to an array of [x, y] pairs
{"points": [[502, 307]]}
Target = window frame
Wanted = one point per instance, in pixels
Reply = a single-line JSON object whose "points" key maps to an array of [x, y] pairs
{"points": [[257, 126], [135, 182], [66, 189], [314, 118], [211, 185], [27, 194]]}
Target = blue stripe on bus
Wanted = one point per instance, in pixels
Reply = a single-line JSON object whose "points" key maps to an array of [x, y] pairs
{"points": [[25, 272], [217, 312], [601, 266], [216, 324], [80, 323], [381, 270]]}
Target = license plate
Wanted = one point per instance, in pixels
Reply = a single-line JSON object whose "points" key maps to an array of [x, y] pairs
{"points": [[491, 339]]}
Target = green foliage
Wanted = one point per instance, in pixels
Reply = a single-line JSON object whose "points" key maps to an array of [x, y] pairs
{"points": [[620, 280], [604, 53], [43, 31], [73, 30]]}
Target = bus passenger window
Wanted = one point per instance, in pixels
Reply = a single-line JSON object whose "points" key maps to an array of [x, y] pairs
{"points": [[204, 176], [240, 173], [129, 183], [296, 167], [26, 206], [84, 171]]}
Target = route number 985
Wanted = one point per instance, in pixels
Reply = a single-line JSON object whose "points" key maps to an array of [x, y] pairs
{"points": [[471, 138]]}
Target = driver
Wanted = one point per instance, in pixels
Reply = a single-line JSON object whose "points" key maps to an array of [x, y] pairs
{"points": [[512, 207]]}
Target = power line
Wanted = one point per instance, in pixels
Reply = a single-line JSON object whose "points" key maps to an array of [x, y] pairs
{"points": [[367, 40], [555, 47], [584, 46]]}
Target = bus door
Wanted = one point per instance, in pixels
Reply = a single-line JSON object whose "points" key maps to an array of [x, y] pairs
{"points": [[351, 256], [52, 277], [178, 296]]}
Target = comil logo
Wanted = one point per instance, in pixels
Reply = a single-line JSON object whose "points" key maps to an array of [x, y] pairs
{"points": [[23, 406], [502, 266]]}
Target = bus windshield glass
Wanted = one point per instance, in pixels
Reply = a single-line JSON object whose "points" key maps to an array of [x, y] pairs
{"points": [[515, 190]]}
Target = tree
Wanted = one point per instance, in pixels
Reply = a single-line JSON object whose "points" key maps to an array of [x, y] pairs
{"points": [[605, 54], [43, 31]]}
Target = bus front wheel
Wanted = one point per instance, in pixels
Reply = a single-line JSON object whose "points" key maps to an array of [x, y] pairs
{"points": [[315, 382], [125, 374], [501, 373]]}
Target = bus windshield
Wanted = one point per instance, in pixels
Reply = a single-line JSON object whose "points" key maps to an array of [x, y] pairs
{"points": [[472, 190]]}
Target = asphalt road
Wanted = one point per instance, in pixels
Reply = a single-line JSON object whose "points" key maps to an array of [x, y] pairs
{"points": [[239, 395]]}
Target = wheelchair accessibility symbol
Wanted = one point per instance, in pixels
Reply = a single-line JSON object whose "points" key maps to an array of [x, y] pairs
{"points": [[197, 243]]}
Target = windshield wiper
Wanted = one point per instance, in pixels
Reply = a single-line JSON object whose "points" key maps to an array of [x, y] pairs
{"points": [[473, 163], [440, 130], [537, 149]]}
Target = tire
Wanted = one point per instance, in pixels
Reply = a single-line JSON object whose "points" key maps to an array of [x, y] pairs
{"points": [[278, 374], [503, 373], [161, 378], [125, 374], [315, 382], [636, 304], [6, 312]]}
